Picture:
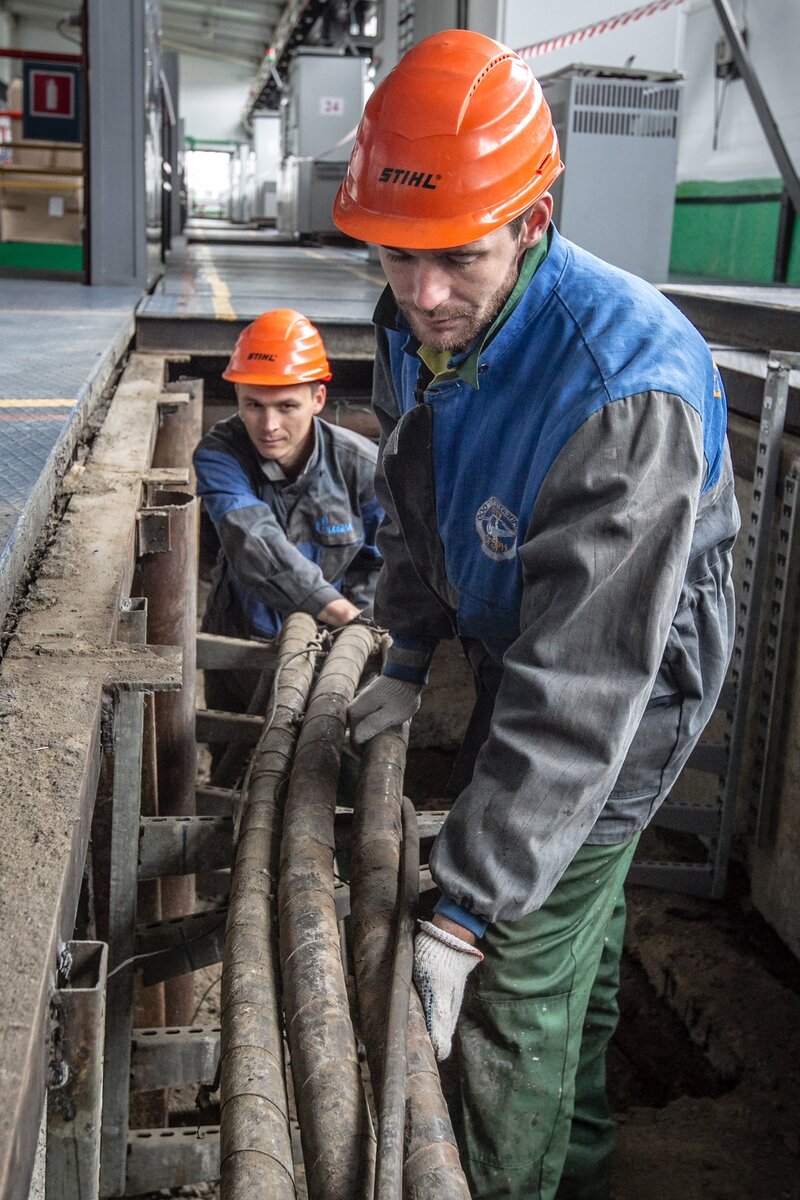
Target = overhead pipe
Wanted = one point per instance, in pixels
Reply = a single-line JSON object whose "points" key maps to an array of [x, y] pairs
{"points": [[255, 1138], [335, 1127], [432, 1169]]}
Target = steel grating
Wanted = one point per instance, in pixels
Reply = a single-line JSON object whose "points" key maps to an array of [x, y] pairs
{"points": [[61, 342]]}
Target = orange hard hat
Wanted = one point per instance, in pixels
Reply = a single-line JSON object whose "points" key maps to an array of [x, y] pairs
{"points": [[280, 347], [455, 142]]}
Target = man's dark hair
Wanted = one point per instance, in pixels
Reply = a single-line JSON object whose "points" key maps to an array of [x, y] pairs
{"points": [[514, 226]]}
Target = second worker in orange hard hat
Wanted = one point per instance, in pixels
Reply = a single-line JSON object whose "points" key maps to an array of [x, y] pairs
{"points": [[291, 498], [559, 495]]}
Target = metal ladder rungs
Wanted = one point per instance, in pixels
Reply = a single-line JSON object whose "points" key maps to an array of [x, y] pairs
{"points": [[184, 845], [688, 818], [692, 879], [159, 1157], [711, 757], [166, 1058]]}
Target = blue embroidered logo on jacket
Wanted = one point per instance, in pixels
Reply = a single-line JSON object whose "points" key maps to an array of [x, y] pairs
{"points": [[324, 525], [497, 527]]}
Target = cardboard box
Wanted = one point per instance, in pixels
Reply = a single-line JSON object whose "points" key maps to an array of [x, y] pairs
{"points": [[37, 210]]}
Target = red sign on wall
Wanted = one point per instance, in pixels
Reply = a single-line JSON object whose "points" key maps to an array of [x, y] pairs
{"points": [[52, 94]]}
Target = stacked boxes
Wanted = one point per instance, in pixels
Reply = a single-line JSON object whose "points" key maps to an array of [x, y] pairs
{"points": [[41, 192]]}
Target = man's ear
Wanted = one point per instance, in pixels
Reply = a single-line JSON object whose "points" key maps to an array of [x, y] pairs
{"points": [[319, 398], [536, 221]]}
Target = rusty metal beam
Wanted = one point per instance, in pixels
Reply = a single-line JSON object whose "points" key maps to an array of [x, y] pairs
{"points": [[75, 1099]]}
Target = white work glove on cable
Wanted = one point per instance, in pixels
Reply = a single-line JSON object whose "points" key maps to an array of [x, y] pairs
{"points": [[442, 963], [381, 704]]}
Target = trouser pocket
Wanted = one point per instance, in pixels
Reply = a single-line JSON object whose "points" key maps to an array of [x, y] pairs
{"points": [[513, 1053]]}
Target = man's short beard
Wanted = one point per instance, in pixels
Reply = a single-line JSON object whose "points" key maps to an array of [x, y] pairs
{"points": [[479, 320]]}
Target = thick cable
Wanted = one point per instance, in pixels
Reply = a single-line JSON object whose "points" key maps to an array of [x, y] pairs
{"points": [[335, 1127], [391, 1123], [431, 1169], [255, 1139]]}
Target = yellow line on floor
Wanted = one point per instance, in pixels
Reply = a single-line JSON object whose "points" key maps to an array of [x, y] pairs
{"points": [[220, 293], [38, 403], [379, 283]]}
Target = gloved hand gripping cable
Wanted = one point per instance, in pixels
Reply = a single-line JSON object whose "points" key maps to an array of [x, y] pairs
{"points": [[382, 704], [442, 963]]}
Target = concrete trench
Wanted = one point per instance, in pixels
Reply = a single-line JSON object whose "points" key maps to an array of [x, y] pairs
{"points": [[706, 1107], [702, 1073]]}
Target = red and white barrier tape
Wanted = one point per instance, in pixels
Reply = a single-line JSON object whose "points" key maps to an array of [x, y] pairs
{"points": [[598, 27]]}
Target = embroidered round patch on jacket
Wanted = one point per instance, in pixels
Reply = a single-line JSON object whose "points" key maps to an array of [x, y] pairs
{"points": [[497, 528]]}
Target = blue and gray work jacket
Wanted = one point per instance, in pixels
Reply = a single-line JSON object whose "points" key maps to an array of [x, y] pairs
{"points": [[287, 546], [571, 511]]}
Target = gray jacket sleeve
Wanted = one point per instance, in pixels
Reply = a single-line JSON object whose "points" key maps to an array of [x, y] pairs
{"points": [[258, 551], [603, 563]]}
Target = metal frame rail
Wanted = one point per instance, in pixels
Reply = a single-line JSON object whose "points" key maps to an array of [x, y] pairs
{"points": [[714, 824], [779, 651]]}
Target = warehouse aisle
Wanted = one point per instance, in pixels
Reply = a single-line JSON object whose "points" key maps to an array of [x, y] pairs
{"points": [[208, 288]]}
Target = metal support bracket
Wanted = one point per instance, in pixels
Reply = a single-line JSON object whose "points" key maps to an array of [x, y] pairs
{"points": [[166, 949], [773, 418], [217, 726], [774, 675], [165, 1158], [723, 759], [167, 1058], [152, 531], [184, 845]]}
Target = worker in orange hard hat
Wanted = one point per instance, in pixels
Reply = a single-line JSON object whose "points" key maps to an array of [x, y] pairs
{"points": [[291, 498], [559, 495]]}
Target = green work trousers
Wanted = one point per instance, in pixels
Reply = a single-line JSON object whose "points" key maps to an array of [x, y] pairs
{"points": [[529, 1104]]}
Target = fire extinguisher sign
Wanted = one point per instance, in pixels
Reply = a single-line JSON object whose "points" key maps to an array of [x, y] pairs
{"points": [[51, 102]]}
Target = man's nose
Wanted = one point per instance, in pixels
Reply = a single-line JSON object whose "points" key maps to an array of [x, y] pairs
{"points": [[431, 286], [269, 420]]}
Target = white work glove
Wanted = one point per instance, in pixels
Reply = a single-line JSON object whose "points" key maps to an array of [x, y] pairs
{"points": [[381, 704], [442, 963]]}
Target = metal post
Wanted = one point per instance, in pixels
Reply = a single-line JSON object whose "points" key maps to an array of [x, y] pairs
{"points": [[743, 62], [180, 425], [118, 229], [776, 686], [773, 417], [128, 729], [74, 1101], [168, 577]]}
